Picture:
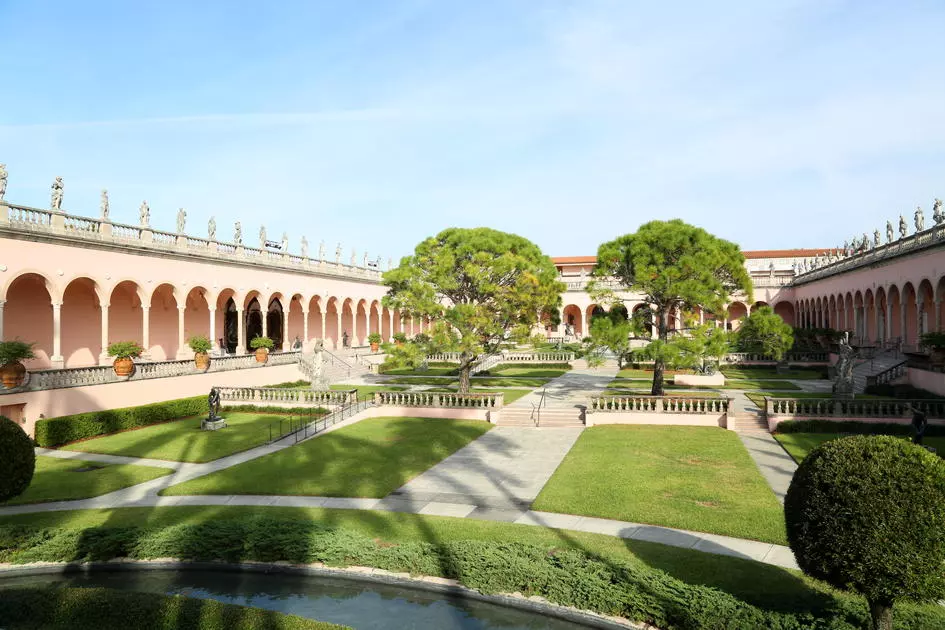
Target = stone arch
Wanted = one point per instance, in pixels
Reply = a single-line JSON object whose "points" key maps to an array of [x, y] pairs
{"points": [[28, 316], [333, 312], [125, 312], [315, 311], [197, 314], [882, 324], [163, 323], [572, 318], [348, 308], [361, 322], [758, 304], [835, 309], [910, 314], [895, 312], [228, 313], [785, 310], [869, 316], [295, 322], [940, 304], [737, 311], [926, 308], [387, 332], [275, 320], [643, 311], [253, 316], [81, 330]]}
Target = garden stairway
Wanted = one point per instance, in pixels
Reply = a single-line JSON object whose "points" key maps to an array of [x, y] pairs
{"points": [[548, 417], [335, 369], [879, 365]]}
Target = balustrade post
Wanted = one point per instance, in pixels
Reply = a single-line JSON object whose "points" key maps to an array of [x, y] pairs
{"points": [[56, 359], [4, 213], [103, 358]]}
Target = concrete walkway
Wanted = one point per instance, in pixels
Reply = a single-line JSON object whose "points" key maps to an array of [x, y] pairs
{"points": [[496, 477], [572, 388], [773, 462]]}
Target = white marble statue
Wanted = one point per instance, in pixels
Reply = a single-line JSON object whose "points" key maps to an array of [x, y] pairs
{"points": [[338, 254], [321, 250], [212, 229], [876, 238], [354, 257], [390, 264], [889, 232], [364, 261], [304, 247], [3, 180], [903, 228], [262, 237], [937, 213], [181, 220], [238, 233], [865, 243], [144, 214], [285, 242], [919, 219], [56, 201], [103, 205]]}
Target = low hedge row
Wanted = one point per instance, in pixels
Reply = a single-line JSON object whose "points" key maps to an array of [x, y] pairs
{"points": [[565, 576], [106, 609], [905, 391], [852, 426], [57, 431]]}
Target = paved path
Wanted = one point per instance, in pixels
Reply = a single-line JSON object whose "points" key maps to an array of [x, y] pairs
{"points": [[572, 388], [107, 459], [496, 476]]}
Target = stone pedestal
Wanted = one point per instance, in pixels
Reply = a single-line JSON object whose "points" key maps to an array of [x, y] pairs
{"points": [[212, 424]]}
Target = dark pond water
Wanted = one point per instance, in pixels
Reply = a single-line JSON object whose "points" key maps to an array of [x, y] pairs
{"points": [[360, 605]]}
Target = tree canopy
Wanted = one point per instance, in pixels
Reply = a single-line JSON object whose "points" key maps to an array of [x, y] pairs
{"points": [[675, 266], [476, 285], [764, 331]]}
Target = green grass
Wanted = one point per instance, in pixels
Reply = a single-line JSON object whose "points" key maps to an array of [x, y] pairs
{"points": [[798, 445], [798, 374], [433, 371], [766, 586], [63, 480], [83, 608], [524, 370], [368, 459], [695, 478], [630, 383], [183, 441]]}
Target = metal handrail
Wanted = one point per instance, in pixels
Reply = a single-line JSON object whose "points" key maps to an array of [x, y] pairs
{"points": [[536, 418]]}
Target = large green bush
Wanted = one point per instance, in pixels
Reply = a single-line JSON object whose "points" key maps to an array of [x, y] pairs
{"points": [[565, 576], [56, 431], [107, 609], [867, 514], [17, 459]]}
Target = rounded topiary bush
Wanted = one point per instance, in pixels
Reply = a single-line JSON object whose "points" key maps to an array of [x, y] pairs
{"points": [[17, 459], [867, 514]]}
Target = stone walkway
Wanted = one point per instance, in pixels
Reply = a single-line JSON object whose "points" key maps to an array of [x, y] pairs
{"points": [[773, 462], [572, 388], [495, 477]]}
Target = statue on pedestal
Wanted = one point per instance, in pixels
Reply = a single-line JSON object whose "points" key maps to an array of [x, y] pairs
{"points": [[238, 233], [889, 232], [3, 180], [843, 386], [390, 264], [103, 205], [937, 213], [903, 228], [213, 421], [919, 219], [285, 242], [56, 202], [181, 220], [144, 215], [354, 257], [304, 247], [378, 263], [865, 243], [321, 251], [262, 237], [319, 383], [364, 261], [212, 229], [876, 238], [338, 254]]}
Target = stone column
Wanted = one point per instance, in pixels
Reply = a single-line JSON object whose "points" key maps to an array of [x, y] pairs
{"points": [[937, 318], [103, 358], [2, 302], [888, 322], [338, 311], [181, 349], [390, 327], [285, 328], [304, 329], [56, 359], [322, 335], [902, 322], [213, 327], [879, 330], [146, 331], [240, 332], [265, 321]]}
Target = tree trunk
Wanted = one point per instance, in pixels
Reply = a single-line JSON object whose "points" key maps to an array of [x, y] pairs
{"points": [[658, 363], [882, 615], [465, 367]]}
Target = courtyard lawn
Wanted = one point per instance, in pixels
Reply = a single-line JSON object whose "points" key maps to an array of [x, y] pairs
{"points": [[183, 441], [797, 374], [526, 370], [766, 586], [695, 478], [370, 458], [63, 480], [798, 445], [433, 371], [630, 383]]}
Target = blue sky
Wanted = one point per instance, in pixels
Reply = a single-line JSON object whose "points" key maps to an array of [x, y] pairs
{"points": [[379, 122]]}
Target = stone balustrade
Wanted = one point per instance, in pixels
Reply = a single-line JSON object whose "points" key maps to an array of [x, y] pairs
{"points": [[537, 357], [659, 404], [448, 400], [806, 408], [287, 397], [888, 375], [101, 374], [735, 358], [57, 224], [445, 357]]}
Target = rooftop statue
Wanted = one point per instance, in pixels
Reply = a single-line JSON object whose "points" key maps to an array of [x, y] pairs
{"points": [[876, 238], [304, 247], [144, 215], [321, 250], [919, 219], [937, 213], [889, 232], [103, 205], [262, 237], [181, 220], [354, 257], [390, 264], [865, 243], [212, 229], [238, 233], [56, 202], [3, 180], [338, 254], [285, 242], [364, 261], [903, 228]]}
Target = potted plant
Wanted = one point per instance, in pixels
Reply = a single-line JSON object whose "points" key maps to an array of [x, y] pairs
{"points": [[400, 339], [124, 352], [12, 371], [262, 346], [201, 345], [375, 340]]}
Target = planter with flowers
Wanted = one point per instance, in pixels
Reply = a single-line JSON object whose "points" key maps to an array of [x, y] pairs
{"points": [[125, 352], [201, 346], [262, 346], [12, 372]]}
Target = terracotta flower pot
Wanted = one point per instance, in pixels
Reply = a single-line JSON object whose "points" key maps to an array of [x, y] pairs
{"points": [[124, 366], [202, 361], [375, 346], [399, 344], [262, 355], [12, 374]]}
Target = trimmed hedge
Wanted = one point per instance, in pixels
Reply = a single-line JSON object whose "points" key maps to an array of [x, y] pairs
{"points": [[565, 576], [17, 459], [57, 431], [83, 608], [904, 391], [852, 426]]}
